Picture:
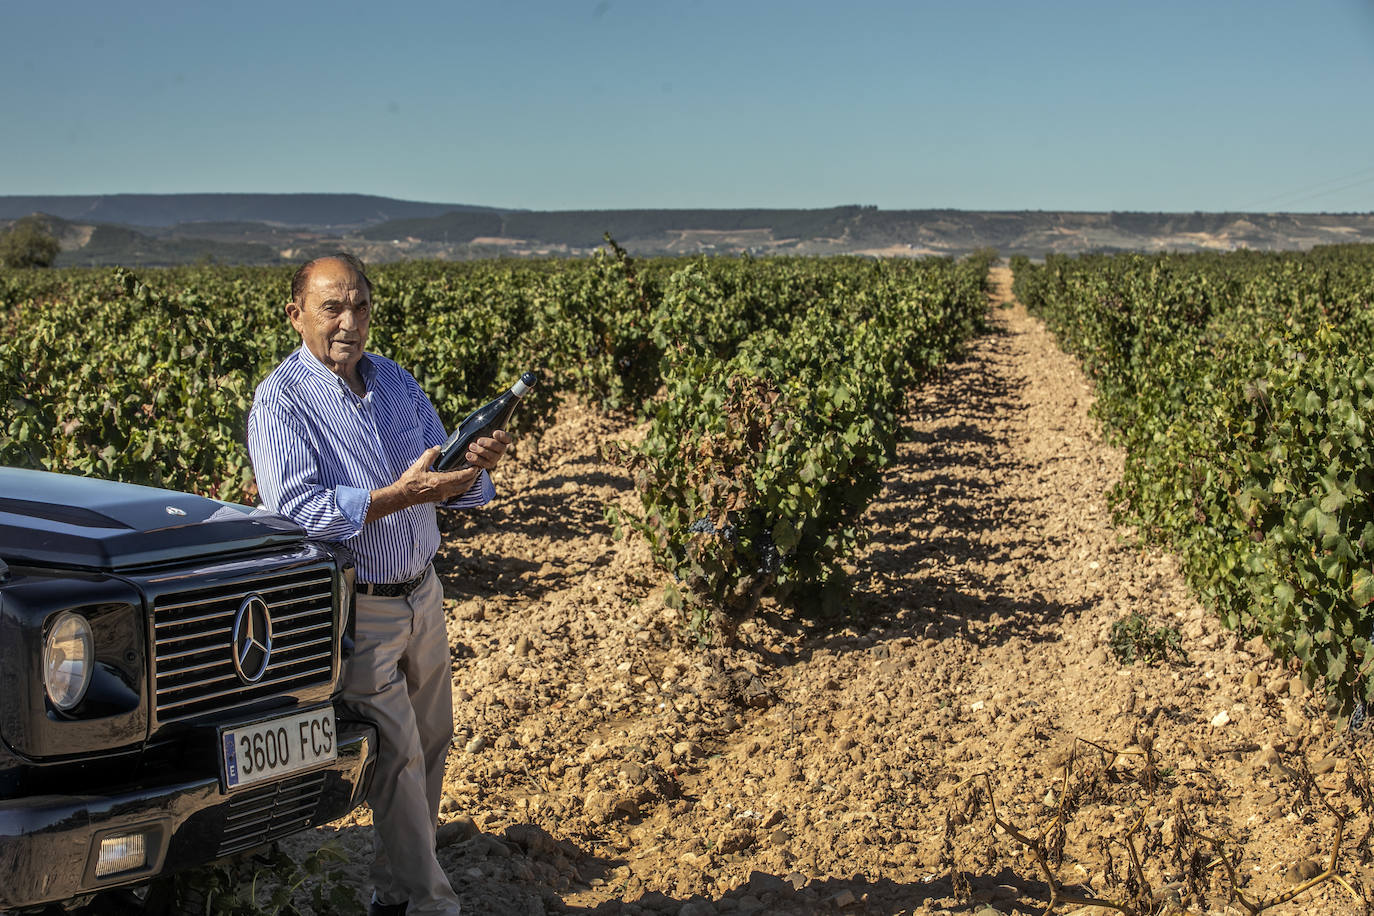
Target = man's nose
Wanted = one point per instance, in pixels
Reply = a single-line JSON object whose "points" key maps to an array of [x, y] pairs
{"points": [[348, 319]]}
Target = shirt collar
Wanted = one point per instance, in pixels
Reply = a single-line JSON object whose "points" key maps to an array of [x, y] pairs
{"points": [[365, 369]]}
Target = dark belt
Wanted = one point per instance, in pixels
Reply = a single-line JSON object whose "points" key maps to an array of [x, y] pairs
{"points": [[392, 589]]}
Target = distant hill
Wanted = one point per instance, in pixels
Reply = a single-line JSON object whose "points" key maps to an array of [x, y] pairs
{"points": [[586, 228], [134, 229], [868, 230], [320, 211], [110, 245], [106, 244]]}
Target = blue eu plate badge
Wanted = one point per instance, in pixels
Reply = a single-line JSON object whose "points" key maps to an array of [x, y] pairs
{"points": [[231, 763]]}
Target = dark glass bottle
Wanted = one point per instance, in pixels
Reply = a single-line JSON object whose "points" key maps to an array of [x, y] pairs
{"points": [[482, 422]]}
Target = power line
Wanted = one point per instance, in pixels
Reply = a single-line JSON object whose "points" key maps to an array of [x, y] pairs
{"points": [[1344, 187], [1314, 187]]}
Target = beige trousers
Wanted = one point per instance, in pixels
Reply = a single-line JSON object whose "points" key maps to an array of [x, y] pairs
{"points": [[399, 678]]}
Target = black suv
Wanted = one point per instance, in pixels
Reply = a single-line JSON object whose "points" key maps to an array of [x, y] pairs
{"points": [[168, 665]]}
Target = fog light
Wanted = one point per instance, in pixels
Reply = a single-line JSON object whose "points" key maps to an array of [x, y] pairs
{"points": [[121, 852]]}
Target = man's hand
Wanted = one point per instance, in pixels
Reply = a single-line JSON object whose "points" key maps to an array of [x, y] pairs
{"points": [[486, 452], [420, 483]]}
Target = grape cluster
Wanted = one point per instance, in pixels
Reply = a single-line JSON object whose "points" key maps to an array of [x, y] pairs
{"points": [[1359, 716], [770, 560], [703, 526]]}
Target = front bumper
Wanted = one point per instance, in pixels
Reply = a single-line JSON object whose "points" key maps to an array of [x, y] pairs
{"points": [[49, 844]]}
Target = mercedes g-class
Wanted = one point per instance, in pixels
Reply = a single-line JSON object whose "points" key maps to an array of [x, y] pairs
{"points": [[168, 666]]}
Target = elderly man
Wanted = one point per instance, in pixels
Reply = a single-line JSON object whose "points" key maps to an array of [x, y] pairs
{"points": [[342, 441]]}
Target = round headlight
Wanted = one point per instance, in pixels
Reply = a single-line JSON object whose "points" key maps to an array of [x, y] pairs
{"points": [[68, 654]]}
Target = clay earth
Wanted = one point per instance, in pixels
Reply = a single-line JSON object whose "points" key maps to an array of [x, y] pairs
{"points": [[605, 763]]}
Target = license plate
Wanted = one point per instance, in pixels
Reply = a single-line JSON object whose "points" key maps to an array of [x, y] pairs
{"points": [[276, 747]]}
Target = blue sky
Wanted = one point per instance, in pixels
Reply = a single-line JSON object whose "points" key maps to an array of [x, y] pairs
{"points": [[596, 104]]}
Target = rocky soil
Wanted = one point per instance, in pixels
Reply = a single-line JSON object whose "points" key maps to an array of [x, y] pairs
{"points": [[606, 764]]}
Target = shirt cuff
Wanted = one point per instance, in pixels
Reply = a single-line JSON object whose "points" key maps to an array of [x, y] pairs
{"points": [[480, 493], [353, 503]]}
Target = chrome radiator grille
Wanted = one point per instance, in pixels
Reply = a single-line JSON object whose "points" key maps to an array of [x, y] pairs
{"points": [[193, 631]]}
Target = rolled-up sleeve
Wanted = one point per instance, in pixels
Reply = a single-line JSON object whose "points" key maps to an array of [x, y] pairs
{"points": [[480, 493], [287, 472]]}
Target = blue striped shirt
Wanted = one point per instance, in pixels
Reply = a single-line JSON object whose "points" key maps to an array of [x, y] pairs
{"points": [[319, 451]]}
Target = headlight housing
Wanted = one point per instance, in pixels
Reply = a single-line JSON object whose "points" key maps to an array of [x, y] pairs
{"points": [[68, 659]]}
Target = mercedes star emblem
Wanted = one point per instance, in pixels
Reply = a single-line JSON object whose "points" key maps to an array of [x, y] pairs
{"points": [[252, 639]]}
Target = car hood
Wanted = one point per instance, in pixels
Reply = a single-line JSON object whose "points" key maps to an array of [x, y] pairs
{"points": [[49, 519]]}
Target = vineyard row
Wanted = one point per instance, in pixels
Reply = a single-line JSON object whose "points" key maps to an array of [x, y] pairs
{"points": [[772, 387], [1241, 387]]}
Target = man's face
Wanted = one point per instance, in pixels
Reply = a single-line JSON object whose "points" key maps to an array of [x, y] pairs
{"points": [[333, 316]]}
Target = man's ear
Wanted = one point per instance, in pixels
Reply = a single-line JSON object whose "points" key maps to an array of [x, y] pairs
{"points": [[293, 312]]}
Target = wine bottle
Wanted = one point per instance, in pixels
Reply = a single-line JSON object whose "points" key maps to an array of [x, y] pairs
{"points": [[481, 422]]}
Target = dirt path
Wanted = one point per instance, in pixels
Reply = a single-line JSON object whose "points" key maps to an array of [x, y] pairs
{"points": [[604, 765]]}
